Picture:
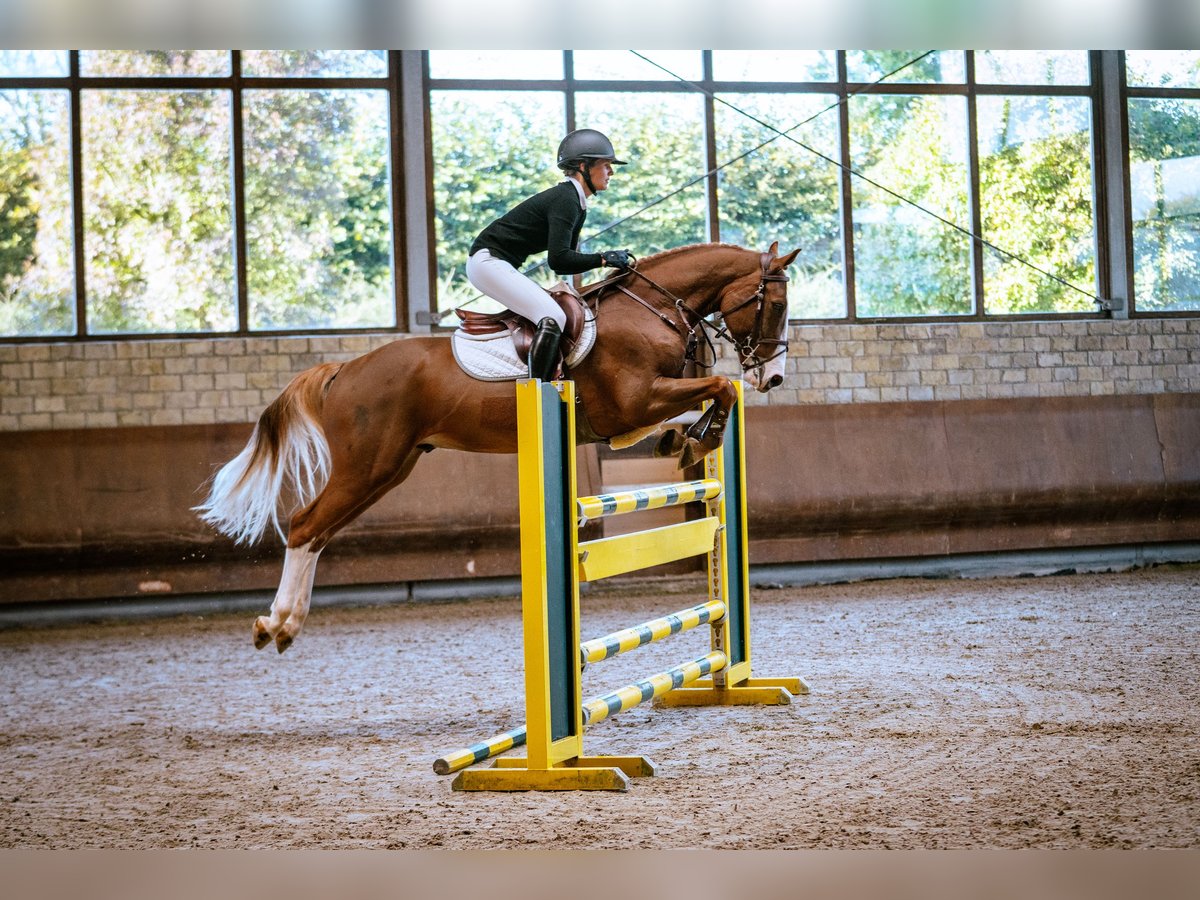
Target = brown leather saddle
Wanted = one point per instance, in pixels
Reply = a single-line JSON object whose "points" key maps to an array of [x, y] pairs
{"points": [[523, 330]]}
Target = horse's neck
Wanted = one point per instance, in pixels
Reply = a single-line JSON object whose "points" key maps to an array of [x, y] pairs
{"points": [[692, 279]]}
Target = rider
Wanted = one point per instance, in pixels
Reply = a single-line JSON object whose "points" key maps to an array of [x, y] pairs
{"points": [[549, 221]]}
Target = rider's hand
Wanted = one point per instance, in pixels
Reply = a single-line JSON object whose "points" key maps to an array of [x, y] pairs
{"points": [[617, 259]]}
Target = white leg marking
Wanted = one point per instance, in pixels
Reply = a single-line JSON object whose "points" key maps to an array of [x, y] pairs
{"points": [[290, 607]]}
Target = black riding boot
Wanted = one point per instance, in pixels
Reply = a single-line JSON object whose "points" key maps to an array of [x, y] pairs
{"points": [[543, 351]]}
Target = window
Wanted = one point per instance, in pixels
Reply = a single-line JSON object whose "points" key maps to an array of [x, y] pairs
{"points": [[774, 189], [662, 138], [318, 210], [938, 184], [492, 149], [37, 278], [1036, 195], [1164, 160], [216, 192], [912, 154], [186, 192]]}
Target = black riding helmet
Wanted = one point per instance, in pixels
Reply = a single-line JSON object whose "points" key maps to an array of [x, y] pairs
{"points": [[585, 144]]}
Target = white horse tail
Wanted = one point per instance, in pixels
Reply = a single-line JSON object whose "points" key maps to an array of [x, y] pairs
{"points": [[287, 449]]}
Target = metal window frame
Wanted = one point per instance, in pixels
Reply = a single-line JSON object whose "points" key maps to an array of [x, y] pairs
{"points": [[75, 83], [1107, 134], [409, 85], [1123, 242]]}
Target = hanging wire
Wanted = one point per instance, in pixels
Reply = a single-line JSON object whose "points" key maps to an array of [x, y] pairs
{"points": [[787, 134], [777, 136]]}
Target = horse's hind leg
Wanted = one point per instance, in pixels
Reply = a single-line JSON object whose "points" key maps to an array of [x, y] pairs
{"points": [[341, 501], [299, 568]]}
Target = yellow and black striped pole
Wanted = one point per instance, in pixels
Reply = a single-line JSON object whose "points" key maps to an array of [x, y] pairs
{"points": [[628, 639], [459, 759], [655, 686], [655, 497]]}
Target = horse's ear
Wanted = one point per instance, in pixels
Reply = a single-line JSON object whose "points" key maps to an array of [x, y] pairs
{"points": [[774, 248], [782, 263]]}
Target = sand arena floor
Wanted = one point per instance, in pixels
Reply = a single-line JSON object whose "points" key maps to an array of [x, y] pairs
{"points": [[1050, 712]]}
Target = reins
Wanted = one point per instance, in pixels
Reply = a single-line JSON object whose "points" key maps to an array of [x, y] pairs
{"points": [[694, 322]]}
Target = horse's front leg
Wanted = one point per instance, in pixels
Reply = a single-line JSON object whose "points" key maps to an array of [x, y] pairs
{"points": [[671, 396]]}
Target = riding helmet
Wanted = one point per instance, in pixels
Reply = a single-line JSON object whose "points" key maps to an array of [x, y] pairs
{"points": [[586, 143]]}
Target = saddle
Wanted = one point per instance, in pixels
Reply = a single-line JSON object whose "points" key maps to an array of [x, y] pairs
{"points": [[522, 330]]}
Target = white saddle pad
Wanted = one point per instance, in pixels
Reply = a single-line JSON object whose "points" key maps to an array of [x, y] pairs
{"points": [[492, 357]]}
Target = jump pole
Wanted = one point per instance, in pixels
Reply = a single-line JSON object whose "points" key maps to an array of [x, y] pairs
{"points": [[554, 562]]}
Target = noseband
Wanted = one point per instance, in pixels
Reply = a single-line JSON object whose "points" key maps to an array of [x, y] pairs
{"points": [[748, 348]]}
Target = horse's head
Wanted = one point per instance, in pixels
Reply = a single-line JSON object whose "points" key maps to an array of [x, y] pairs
{"points": [[755, 309]]}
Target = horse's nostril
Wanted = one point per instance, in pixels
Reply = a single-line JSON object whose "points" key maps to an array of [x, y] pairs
{"points": [[773, 382]]}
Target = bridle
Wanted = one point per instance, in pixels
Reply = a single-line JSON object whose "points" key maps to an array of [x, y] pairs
{"points": [[748, 348]]}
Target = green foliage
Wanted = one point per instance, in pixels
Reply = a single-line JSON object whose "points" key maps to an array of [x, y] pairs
{"points": [[18, 217], [1037, 205], [318, 216], [158, 207], [35, 231]]}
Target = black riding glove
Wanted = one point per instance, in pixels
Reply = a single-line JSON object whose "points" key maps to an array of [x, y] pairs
{"points": [[618, 259]]}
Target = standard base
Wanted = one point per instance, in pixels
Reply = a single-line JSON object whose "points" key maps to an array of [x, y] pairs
{"points": [[583, 773], [751, 692]]}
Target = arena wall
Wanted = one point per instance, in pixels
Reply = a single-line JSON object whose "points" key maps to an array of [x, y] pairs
{"points": [[893, 440]]}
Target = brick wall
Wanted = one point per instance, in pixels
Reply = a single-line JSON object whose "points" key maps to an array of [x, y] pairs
{"points": [[977, 361], [107, 384]]}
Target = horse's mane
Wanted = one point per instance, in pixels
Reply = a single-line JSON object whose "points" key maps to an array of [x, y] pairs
{"points": [[662, 254]]}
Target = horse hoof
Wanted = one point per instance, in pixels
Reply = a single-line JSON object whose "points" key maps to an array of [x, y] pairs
{"points": [[669, 444], [688, 456], [283, 641], [262, 636]]}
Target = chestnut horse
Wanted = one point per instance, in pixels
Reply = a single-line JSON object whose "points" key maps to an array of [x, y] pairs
{"points": [[343, 434]]}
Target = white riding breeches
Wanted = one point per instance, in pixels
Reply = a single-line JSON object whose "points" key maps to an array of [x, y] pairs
{"points": [[504, 284]]}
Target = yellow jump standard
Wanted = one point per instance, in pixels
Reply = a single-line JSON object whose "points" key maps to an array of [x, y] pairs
{"points": [[554, 563]]}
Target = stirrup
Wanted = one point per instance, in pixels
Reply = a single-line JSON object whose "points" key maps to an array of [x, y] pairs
{"points": [[543, 350]]}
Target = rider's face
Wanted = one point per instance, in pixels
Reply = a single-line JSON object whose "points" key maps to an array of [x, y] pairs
{"points": [[600, 171]]}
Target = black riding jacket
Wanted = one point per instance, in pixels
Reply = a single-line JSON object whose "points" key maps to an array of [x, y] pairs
{"points": [[550, 222]]}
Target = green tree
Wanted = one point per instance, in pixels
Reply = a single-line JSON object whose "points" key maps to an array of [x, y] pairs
{"points": [[18, 217], [1036, 195], [1164, 135], [36, 275]]}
